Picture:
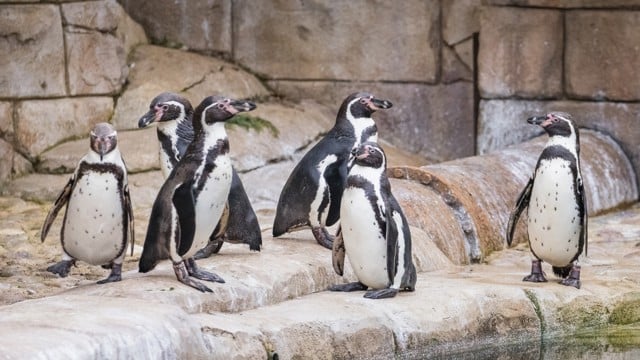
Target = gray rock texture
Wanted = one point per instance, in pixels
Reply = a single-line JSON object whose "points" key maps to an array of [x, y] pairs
{"points": [[33, 35]]}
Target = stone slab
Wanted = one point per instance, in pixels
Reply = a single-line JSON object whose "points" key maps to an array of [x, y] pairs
{"points": [[204, 26], [517, 56], [65, 118], [369, 40], [31, 51], [602, 55]]}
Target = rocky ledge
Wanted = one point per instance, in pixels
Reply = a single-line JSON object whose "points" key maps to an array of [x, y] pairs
{"points": [[275, 304]]}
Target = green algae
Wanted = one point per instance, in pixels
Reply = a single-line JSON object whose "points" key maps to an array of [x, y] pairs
{"points": [[627, 311], [253, 123]]}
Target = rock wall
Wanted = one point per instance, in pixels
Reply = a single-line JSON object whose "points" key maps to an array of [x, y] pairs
{"points": [[63, 65], [463, 74]]}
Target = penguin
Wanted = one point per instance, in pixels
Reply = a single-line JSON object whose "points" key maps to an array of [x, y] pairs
{"points": [[374, 232], [193, 197], [98, 219], [173, 114], [239, 223], [556, 202], [311, 196]]}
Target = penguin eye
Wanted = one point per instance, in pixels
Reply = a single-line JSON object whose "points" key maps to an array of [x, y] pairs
{"points": [[555, 120], [220, 106], [165, 107], [363, 101]]}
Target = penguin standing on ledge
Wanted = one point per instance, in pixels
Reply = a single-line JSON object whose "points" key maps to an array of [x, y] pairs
{"points": [[239, 223], [311, 196], [556, 201], [192, 199], [374, 232], [98, 220]]}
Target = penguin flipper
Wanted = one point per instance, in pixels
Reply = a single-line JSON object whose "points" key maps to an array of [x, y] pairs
{"points": [[60, 202], [129, 209], [336, 178], [159, 233], [521, 204], [392, 245], [338, 253], [292, 212], [585, 218], [185, 205], [242, 223]]}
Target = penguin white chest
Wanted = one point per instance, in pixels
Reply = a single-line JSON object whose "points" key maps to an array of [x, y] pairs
{"points": [[364, 243], [554, 223], [211, 202], [94, 228]]}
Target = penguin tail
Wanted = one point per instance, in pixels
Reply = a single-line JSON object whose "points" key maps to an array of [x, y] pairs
{"points": [[562, 272]]}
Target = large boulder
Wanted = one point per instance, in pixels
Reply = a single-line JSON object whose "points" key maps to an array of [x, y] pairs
{"points": [[156, 69]]}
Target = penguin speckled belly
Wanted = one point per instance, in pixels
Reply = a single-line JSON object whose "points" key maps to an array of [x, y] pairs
{"points": [[374, 232], [192, 199], [239, 223], [556, 201], [311, 196], [98, 220]]}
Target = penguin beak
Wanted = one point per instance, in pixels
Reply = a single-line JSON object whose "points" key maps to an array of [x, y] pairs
{"points": [[240, 106], [153, 115], [377, 104], [360, 152], [148, 118], [536, 120], [103, 145]]}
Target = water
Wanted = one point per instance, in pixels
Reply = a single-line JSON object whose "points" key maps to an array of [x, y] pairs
{"points": [[620, 343]]}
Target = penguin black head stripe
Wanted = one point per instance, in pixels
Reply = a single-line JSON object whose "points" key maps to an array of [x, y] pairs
{"points": [[104, 139], [369, 154], [363, 105], [218, 108], [166, 107], [555, 123]]}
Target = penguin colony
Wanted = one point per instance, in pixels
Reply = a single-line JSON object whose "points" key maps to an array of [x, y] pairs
{"points": [[341, 180]]}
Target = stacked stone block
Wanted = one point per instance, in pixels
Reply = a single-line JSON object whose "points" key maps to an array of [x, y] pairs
{"points": [[69, 58], [62, 64]]}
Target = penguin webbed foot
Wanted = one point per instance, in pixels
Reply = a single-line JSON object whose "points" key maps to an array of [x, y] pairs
{"points": [[114, 276], [197, 273], [573, 279], [381, 293], [213, 247], [61, 268], [349, 287], [183, 276], [537, 275], [322, 236]]}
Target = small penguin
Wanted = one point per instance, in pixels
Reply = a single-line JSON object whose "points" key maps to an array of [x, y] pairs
{"points": [[174, 114], [98, 219], [374, 232], [556, 201], [193, 197], [311, 196]]}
